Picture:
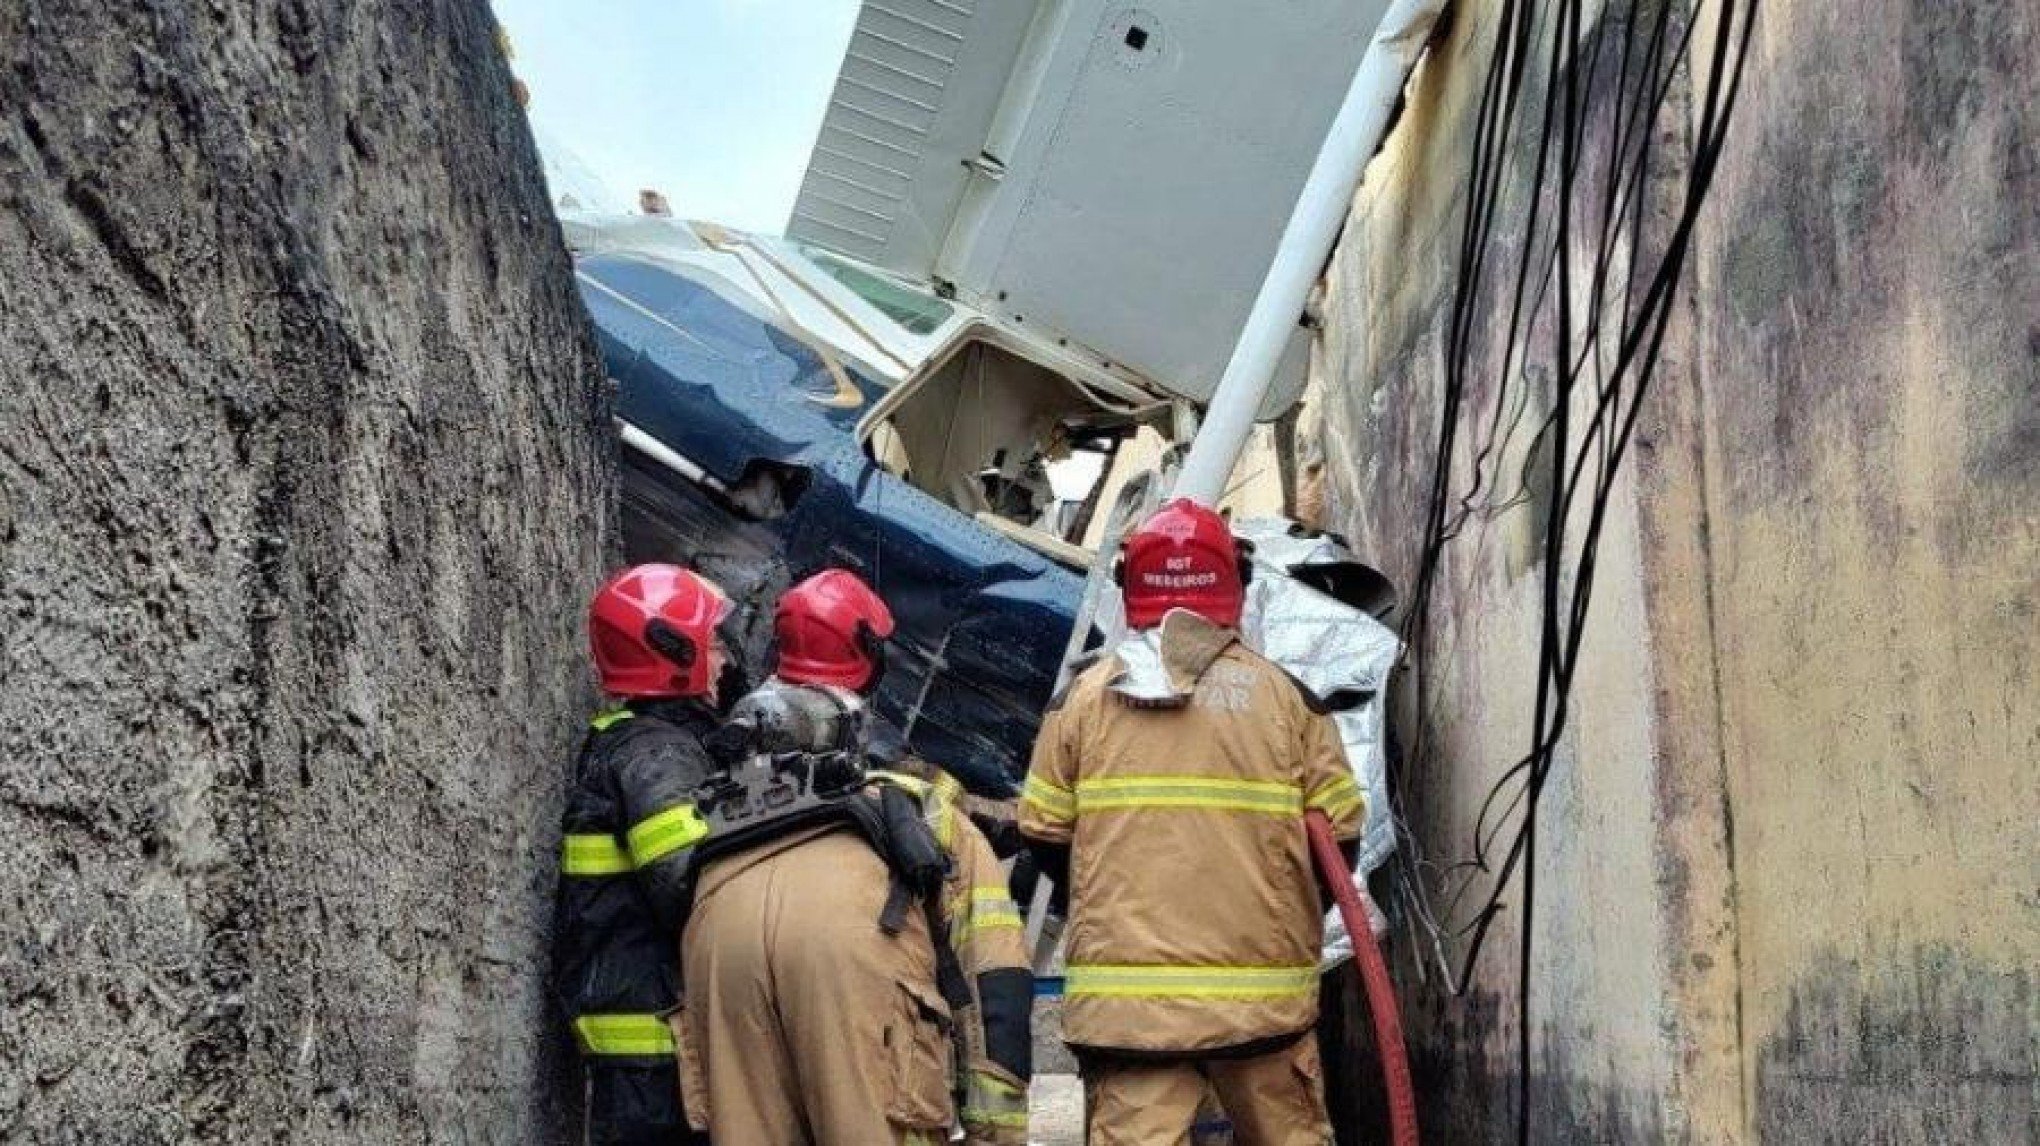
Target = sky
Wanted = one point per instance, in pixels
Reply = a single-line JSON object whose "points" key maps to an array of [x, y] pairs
{"points": [[714, 102]]}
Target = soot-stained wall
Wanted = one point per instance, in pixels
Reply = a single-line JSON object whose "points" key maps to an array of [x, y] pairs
{"points": [[1786, 876]]}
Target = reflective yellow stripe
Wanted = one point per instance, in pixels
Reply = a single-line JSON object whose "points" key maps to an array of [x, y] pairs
{"points": [[948, 787], [992, 1101], [609, 718], [663, 833], [983, 909], [593, 853], [1338, 797], [935, 809], [1213, 792], [1051, 800], [1339, 810], [998, 1087], [987, 921], [1133, 982], [624, 1034], [984, 1116], [914, 784], [1333, 790]]}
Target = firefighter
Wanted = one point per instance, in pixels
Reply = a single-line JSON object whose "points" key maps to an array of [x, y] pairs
{"points": [[846, 965], [984, 931], [629, 822], [1167, 791]]}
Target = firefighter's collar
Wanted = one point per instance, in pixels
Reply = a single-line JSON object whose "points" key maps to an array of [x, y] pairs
{"points": [[1160, 667]]}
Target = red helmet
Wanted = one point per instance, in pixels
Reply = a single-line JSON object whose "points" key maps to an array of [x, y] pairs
{"points": [[1183, 557], [652, 629], [829, 629]]}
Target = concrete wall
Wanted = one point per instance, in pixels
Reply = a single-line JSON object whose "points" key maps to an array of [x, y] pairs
{"points": [[1786, 870], [305, 470]]}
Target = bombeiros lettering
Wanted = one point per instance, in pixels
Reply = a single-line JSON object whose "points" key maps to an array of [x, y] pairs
{"points": [[1179, 580]]}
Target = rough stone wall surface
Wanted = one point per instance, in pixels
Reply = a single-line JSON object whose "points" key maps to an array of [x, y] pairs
{"points": [[304, 472], [1786, 876]]}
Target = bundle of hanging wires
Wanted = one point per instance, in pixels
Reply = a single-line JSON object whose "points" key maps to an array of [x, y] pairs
{"points": [[1598, 222]]}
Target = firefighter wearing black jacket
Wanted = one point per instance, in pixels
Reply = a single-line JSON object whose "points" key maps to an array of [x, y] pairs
{"points": [[629, 827]]}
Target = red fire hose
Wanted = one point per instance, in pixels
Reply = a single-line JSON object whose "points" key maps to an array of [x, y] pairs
{"points": [[1388, 1036]]}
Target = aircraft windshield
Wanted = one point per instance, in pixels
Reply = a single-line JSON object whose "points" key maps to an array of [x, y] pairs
{"points": [[916, 311]]}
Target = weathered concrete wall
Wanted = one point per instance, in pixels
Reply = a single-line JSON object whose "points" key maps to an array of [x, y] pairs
{"points": [[1869, 324], [1786, 867], [1607, 1058], [304, 472]]}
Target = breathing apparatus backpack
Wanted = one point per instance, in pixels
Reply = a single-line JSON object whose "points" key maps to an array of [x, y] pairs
{"points": [[791, 757]]}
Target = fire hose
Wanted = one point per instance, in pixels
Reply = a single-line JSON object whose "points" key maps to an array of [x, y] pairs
{"points": [[1373, 970]]}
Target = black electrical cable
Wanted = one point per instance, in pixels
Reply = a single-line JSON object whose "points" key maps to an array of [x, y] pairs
{"points": [[1494, 121], [1583, 227], [1484, 836]]}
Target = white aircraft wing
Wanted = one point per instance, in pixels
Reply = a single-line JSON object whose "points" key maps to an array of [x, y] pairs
{"points": [[1115, 174]]}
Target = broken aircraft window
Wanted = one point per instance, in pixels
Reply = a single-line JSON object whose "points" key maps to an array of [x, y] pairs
{"points": [[1007, 440]]}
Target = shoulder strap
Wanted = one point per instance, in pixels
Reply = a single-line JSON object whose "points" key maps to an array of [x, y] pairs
{"points": [[896, 828]]}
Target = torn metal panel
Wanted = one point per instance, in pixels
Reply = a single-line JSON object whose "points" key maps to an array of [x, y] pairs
{"points": [[1337, 651], [1341, 654]]}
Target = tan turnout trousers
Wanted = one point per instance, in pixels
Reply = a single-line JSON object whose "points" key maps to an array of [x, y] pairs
{"points": [[804, 1023], [1274, 1099]]}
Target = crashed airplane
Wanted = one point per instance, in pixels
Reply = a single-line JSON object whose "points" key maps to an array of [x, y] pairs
{"points": [[1028, 240]]}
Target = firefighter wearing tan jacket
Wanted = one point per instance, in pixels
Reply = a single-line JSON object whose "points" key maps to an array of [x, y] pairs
{"points": [[819, 1007], [984, 930], [1167, 791]]}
